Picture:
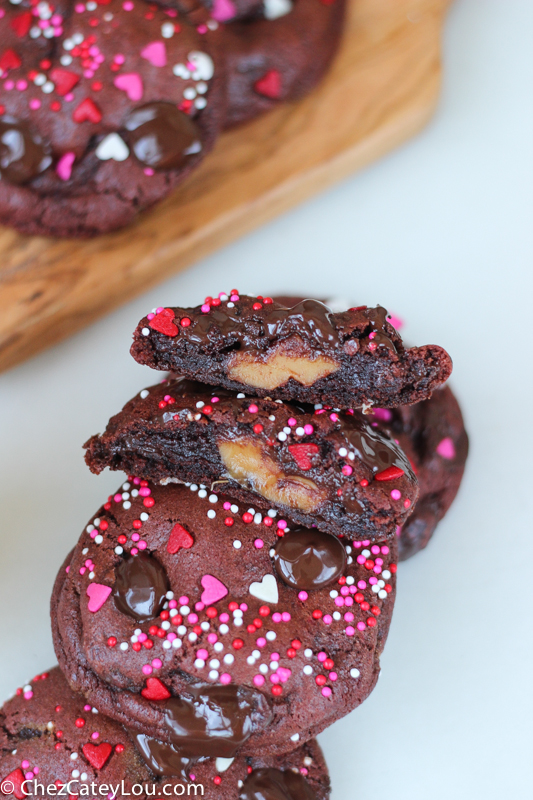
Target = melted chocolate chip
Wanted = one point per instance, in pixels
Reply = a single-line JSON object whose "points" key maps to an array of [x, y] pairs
{"points": [[216, 720], [141, 584], [23, 155], [309, 559], [273, 784], [310, 318], [163, 759], [161, 136], [374, 447]]}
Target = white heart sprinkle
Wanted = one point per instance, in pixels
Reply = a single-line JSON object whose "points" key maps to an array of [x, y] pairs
{"points": [[267, 590], [277, 8], [222, 764], [112, 147]]}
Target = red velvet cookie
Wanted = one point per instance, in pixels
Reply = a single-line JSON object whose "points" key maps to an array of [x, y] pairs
{"points": [[211, 627], [317, 467], [433, 435], [279, 57], [306, 353], [51, 736], [104, 109]]}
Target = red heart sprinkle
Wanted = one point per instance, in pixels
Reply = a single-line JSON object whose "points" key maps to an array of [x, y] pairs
{"points": [[163, 323], [17, 779], [87, 111], [269, 85], [178, 538], [155, 690], [22, 23], [9, 60], [389, 474], [97, 754], [302, 454], [64, 80]]}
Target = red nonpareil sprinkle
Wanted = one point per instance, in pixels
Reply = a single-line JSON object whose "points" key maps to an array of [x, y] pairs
{"points": [[152, 630], [177, 619], [148, 643], [258, 428], [267, 521], [237, 644], [111, 642], [393, 568], [389, 474], [207, 410], [136, 646], [320, 680], [267, 301], [104, 525], [264, 611], [375, 611], [364, 482], [251, 628], [122, 539], [164, 615], [185, 322], [329, 663], [371, 621], [217, 780], [365, 606], [342, 580], [80, 722], [247, 517], [211, 612], [317, 613], [277, 690], [296, 644], [148, 502], [257, 306], [229, 521], [137, 524], [119, 748], [291, 653]]}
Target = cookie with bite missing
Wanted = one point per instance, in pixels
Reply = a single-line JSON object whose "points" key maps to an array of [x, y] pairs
{"points": [[50, 736], [103, 111], [210, 626]]}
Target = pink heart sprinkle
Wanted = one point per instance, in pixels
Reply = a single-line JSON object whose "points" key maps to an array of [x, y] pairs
{"points": [[223, 10], [446, 448], [214, 590], [98, 594], [64, 166], [155, 53], [131, 83]]}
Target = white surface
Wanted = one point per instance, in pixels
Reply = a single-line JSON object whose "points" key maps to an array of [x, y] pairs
{"points": [[441, 233]]}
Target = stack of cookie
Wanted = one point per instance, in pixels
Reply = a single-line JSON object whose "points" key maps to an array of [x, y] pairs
{"points": [[108, 105], [232, 598]]}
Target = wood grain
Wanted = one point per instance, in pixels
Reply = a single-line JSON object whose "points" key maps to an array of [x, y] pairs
{"points": [[382, 89]]}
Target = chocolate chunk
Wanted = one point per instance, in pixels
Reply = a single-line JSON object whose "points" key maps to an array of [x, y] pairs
{"points": [[216, 720], [308, 559], [23, 155], [140, 587], [161, 136]]}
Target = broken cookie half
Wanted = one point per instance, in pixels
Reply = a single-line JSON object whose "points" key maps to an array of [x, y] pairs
{"points": [[314, 465], [306, 353]]}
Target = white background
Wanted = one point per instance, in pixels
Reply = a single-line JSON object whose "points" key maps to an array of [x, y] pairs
{"points": [[441, 233]]}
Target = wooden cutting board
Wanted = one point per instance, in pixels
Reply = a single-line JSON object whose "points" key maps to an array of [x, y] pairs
{"points": [[382, 89]]}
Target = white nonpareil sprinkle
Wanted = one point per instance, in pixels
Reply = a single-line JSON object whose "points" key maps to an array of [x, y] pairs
{"points": [[211, 514], [308, 669], [354, 672], [145, 331], [237, 545]]}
